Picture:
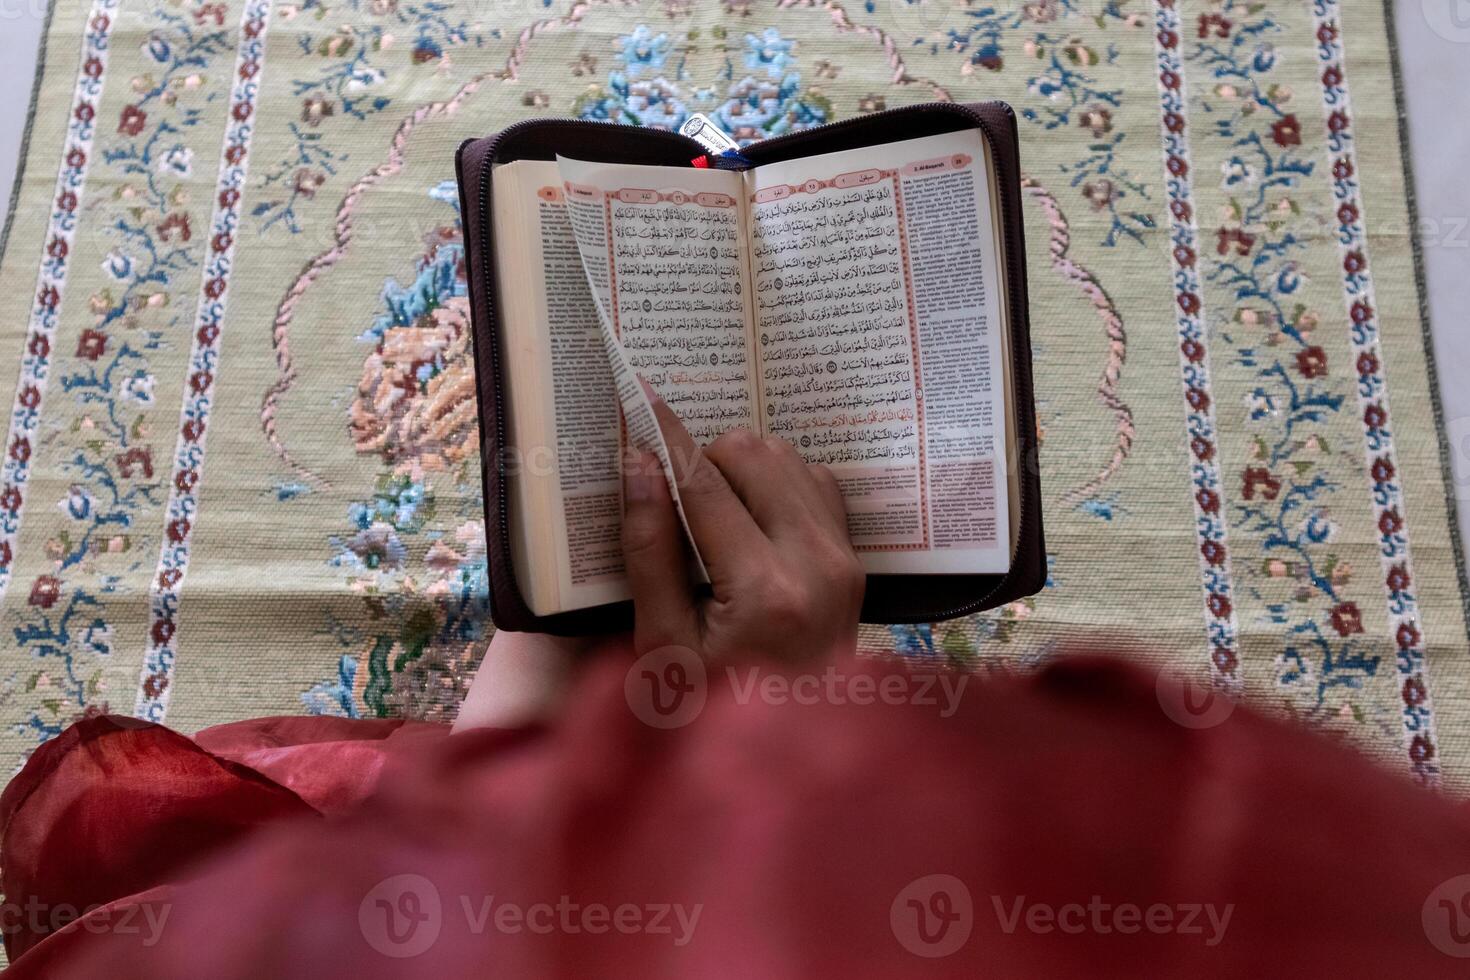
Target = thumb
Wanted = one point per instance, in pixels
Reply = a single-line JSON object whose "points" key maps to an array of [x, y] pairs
{"points": [[654, 557]]}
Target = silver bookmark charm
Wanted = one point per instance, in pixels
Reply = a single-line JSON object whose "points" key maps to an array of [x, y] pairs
{"points": [[701, 128]]}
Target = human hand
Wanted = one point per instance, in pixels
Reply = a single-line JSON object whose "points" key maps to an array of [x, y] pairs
{"points": [[772, 531]]}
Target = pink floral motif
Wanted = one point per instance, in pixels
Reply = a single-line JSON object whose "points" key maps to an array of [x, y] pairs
{"points": [[416, 422]]}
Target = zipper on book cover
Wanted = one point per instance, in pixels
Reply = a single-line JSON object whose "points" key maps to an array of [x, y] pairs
{"points": [[492, 301]]}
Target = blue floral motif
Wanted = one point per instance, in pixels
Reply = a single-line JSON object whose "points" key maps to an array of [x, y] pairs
{"points": [[376, 548], [72, 641], [768, 51], [913, 641], [1284, 498], [439, 279], [1105, 507], [644, 51], [1068, 94], [335, 697], [401, 503], [359, 61], [768, 100], [961, 644], [185, 52]]}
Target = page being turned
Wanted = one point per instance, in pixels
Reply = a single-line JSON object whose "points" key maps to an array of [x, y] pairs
{"points": [[878, 325], [663, 252]]}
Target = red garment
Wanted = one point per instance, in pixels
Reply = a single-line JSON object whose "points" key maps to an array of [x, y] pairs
{"points": [[801, 840]]}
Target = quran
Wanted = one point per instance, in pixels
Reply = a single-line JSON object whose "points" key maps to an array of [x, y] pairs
{"points": [[856, 290]]}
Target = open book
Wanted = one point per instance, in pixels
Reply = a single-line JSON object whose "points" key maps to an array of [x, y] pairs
{"points": [[852, 303]]}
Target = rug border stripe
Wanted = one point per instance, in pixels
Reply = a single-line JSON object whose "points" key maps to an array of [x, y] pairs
{"points": [[1405, 625], [1211, 527], [155, 681], [51, 277]]}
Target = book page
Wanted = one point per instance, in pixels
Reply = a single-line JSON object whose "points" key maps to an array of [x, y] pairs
{"points": [[879, 322], [562, 409], [664, 254]]}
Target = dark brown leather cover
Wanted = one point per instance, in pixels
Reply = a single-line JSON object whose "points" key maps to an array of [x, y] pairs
{"points": [[890, 598]]}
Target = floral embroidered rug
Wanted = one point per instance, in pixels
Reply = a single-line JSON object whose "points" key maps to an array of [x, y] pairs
{"points": [[241, 472]]}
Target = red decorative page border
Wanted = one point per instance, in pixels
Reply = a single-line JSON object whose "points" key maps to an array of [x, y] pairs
{"points": [[612, 268], [861, 178], [867, 178], [640, 195], [908, 285]]}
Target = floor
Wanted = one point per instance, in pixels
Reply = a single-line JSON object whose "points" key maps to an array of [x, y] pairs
{"points": [[1434, 37]]}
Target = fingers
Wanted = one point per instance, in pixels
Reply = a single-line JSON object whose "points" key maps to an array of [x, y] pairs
{"points": [[831, 495], [768, 476], [780, 489], [729, 540], [654, 557]]}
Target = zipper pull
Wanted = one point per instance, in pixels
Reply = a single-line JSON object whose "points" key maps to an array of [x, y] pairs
{"points": [[703, 130]]}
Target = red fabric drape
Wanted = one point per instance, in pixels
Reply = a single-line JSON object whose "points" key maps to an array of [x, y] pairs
{"points": [[802, 839]]}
